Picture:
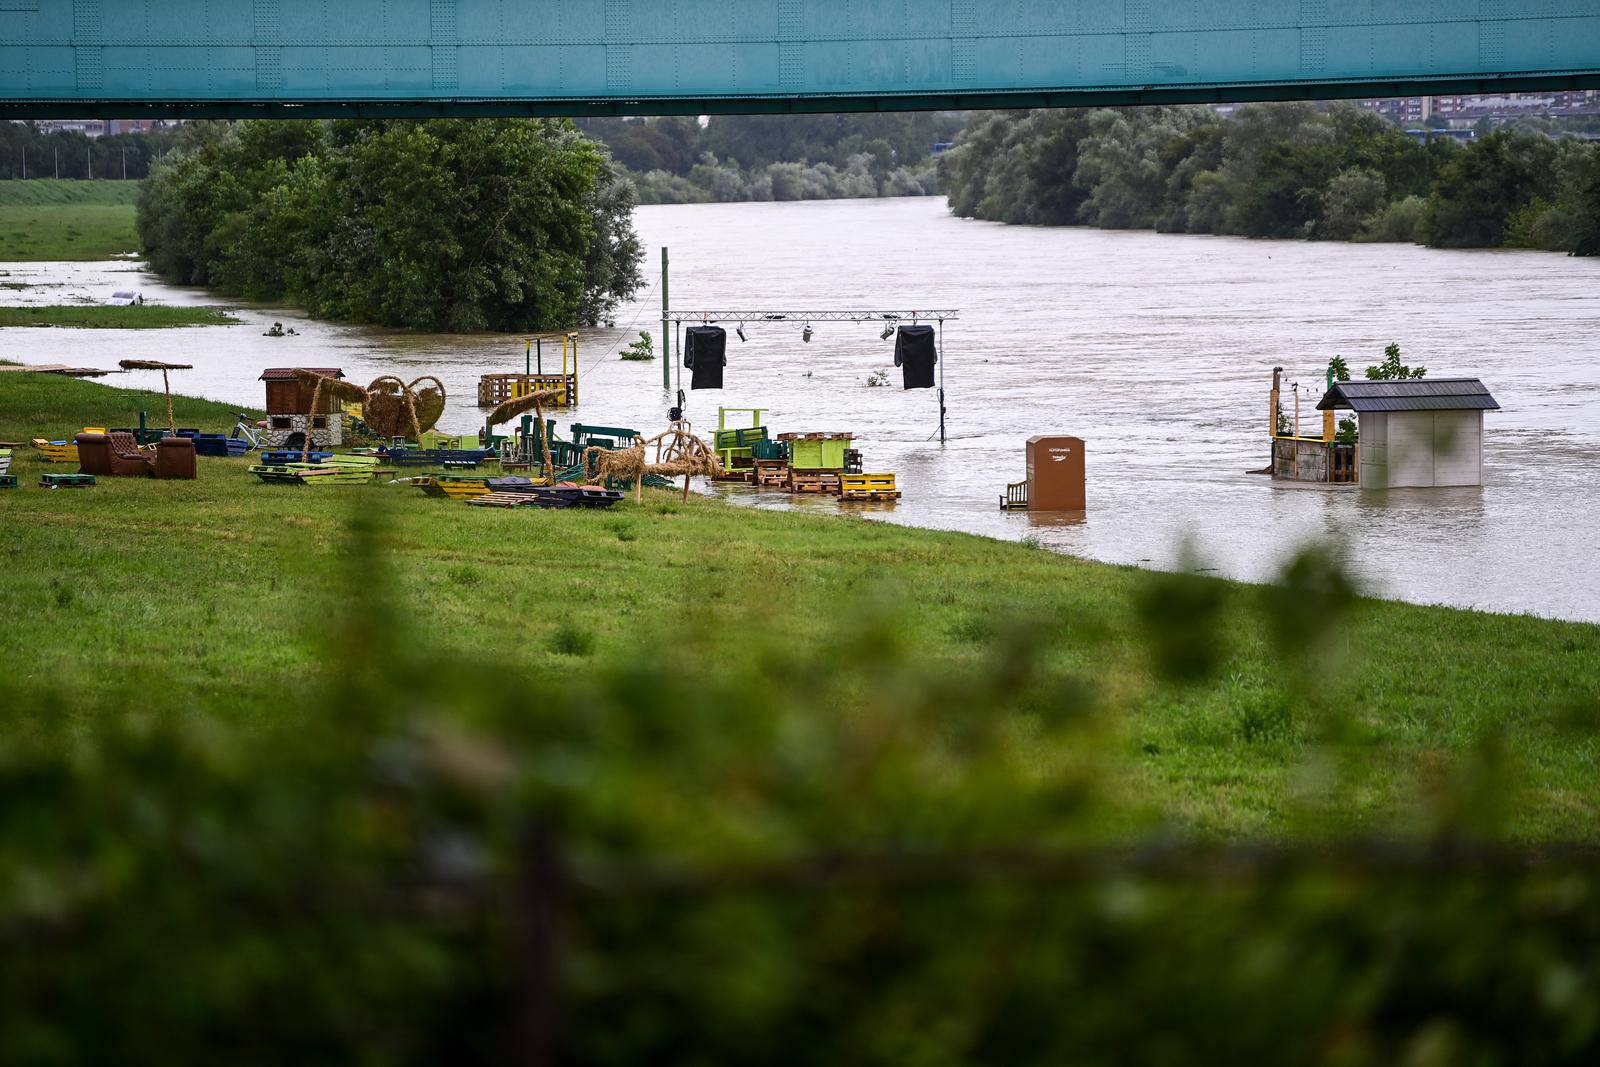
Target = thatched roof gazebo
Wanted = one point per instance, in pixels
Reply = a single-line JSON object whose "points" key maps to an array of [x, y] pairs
{"points": [[166, 385]]}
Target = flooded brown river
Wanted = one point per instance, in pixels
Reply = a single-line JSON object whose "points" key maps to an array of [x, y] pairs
{"points": [[1157, 350]]}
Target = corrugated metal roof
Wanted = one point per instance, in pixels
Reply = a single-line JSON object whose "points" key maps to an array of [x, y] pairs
{"points": [[1412, 394], [280, 374]]}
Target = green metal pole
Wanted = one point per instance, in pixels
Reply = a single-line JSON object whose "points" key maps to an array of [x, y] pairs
{"points": [[527, 359], [666, 305], [538, 348]]}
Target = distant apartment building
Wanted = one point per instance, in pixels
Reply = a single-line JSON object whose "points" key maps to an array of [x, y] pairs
{"points": [[103, 127], [1467, 109]]}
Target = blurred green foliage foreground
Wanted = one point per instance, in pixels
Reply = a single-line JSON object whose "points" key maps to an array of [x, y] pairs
{"points": [[828, 852]]}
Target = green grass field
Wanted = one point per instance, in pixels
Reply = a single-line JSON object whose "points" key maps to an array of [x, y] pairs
{"points": [[49, 191], [208, 598], [89, 316], [67, 221]]}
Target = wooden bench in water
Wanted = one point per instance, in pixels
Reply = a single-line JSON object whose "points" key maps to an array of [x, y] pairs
{"points": [[868, 487]]}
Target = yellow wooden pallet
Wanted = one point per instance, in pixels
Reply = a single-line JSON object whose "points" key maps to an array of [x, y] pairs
{"points": [[454, 488], [56, 451], [868, 487]]}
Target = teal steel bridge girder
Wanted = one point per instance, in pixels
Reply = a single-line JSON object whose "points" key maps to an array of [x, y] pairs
{"points": [[319, 58]]}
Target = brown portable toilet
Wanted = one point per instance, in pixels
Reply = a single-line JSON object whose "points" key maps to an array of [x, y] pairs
{"points": [[1055, 474]]}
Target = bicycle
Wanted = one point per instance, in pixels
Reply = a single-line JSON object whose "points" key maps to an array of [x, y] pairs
{"points": [[247, 429]]}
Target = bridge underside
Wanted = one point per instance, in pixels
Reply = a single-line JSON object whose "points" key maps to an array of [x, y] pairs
{"points": [[319, 58]]}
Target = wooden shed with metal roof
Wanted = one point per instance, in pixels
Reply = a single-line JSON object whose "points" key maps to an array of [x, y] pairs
{"points": [[290, 401], [1416, 431]]}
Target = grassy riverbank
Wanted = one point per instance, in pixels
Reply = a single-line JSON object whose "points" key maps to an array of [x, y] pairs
{"points": [[49, 221], [97, 317], [221, 583], [216, 591]]}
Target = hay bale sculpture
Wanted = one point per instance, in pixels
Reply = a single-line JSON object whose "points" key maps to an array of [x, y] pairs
{"points": [[390, 407], [166, 386], [521, 405], [679, 453], [393, 407]]}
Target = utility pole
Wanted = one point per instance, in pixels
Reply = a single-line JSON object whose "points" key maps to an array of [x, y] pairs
{"points": [[666, 335]]}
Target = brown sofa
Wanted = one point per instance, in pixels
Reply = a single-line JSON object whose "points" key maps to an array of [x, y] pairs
{"points": [[118, 455]]}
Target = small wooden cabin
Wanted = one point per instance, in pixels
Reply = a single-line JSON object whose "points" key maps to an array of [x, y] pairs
{"points": [[289, 414], [1416, 432]]}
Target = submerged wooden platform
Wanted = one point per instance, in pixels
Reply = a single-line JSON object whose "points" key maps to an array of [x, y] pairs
{"points": [[496, 389]]}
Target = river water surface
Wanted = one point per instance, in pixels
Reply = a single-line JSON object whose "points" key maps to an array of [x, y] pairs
{"points": [[1157, 350]]}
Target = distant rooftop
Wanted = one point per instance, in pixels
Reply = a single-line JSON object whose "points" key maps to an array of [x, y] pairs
{"points": [[1412, 394]]}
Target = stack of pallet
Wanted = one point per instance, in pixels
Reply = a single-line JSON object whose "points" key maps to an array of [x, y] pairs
{"points": [[814, 481], [453, 486], [868, 487], [333, 470], [56, 451]]}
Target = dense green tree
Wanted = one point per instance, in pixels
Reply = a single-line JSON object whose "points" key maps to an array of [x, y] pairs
{"points": [[1395, 223], [1352, 197], [1274, 170], [1479, 190], [1122, 163], [777, 157], [1184, 159], [1583, 196], [444, 225]]}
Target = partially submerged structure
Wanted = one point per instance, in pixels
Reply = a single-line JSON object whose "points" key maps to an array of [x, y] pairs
{"points": [[1407, 432], [496, 389], [1417, 431]]}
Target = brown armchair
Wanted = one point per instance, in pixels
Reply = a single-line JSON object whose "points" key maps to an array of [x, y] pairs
{"points": [[118, 455], [175, 458]]}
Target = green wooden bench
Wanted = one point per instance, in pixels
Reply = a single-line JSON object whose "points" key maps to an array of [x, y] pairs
{"points": [[608, 437]]}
